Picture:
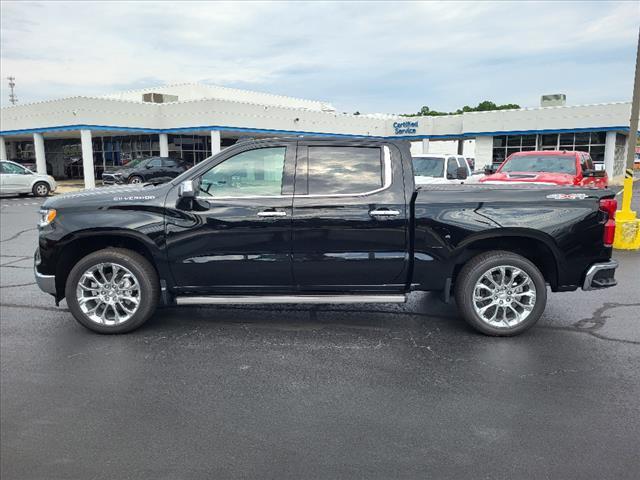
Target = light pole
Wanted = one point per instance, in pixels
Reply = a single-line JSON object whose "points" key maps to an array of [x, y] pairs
{"points": [[627, 224]]}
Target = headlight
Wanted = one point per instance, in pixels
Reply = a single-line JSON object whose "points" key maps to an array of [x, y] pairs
{"points": [[47, 215]]}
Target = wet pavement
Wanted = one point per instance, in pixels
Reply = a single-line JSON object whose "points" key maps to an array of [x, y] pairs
{"points": [[385, 391]]}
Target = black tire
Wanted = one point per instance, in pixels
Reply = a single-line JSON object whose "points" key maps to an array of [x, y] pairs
{"points": [[135, 179], [473, 271], [144, 273], [41, 189]]}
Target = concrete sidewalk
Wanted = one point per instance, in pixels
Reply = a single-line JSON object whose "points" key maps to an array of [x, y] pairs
{"points": [[68, 186]]}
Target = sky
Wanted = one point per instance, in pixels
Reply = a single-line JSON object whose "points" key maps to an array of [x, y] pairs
{"points": [[390, 57]]}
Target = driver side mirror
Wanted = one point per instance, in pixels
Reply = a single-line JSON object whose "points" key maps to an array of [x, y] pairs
{"points": [[187, 189], [462, 173]]}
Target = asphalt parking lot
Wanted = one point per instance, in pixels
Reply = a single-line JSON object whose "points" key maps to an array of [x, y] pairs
{"points": [[315, 391]]}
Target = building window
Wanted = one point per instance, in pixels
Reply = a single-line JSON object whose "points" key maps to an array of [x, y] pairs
{"points": [[592, 142], [190, 148], [505, 145]]}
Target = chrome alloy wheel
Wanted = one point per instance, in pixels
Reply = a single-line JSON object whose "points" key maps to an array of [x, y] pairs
{"points": [[41, 189], [108, 294], [504, 296], [136, 180]]}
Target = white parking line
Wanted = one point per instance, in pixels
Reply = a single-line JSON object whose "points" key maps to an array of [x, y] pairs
{"points": [[5, 204]]}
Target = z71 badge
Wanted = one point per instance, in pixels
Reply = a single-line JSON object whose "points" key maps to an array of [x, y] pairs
{"points": [[568, 196]]}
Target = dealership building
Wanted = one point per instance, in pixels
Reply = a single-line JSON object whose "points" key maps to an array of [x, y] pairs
{"points": [[79, 137]]}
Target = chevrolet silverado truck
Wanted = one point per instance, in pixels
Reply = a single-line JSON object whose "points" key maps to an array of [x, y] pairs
{"points": [[547, 167], [313, 220]]}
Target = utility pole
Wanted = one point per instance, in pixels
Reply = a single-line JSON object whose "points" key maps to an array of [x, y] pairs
{"points": [[628, 225], [13, 98]]}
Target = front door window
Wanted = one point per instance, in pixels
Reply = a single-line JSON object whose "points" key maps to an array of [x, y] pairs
{"points": [[248, 174]]}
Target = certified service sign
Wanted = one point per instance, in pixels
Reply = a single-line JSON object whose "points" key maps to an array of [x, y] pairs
{"points": [[405, 128]]}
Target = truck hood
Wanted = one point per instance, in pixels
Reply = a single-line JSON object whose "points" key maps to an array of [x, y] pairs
{"points": [[108, 196], [545, 178]]}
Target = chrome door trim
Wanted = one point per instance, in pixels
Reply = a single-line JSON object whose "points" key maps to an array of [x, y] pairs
{"points": [[384, 213], [274, 213], [388, 179]]}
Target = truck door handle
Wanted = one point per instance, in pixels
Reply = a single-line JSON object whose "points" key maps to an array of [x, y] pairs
{"points": [[272, 213], [384, 212]]}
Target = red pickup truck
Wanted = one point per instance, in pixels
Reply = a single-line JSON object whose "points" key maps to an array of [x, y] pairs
{"points": [[547, 167]]}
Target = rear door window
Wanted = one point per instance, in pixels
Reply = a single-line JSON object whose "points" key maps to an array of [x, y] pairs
{"points": [[344, 170]]}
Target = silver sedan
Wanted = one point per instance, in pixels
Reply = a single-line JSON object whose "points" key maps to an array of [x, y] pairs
{"points": [[16, 179]]}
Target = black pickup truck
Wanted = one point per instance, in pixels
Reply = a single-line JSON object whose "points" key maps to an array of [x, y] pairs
{"points": [[308, 220]]}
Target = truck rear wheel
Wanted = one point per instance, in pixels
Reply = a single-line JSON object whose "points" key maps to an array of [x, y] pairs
{"points": [[500, 293], [112, 290]]}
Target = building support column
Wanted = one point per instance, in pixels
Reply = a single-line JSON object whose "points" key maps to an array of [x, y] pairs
{"points": [[610, 153], [483, 152], [425, 145], [87, 159], [3, 149], [41, 159], [164, 145], [215, 142]]}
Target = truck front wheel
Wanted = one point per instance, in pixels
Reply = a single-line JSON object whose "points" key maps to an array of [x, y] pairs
{"points": [[500, 293], [112, 290]]}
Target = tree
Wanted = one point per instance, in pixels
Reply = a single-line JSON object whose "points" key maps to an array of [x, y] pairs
{"points": [[485, 106]]}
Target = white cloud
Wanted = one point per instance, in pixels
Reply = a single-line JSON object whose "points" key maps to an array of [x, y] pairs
{"points": [[367, 56]]}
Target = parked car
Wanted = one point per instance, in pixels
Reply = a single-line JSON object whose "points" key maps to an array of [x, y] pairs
{"points": [[431, 168], [75, 168], [142, 170], [16, 179], [316, 220], [548, 167]]}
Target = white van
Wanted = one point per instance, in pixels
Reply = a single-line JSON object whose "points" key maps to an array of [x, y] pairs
{"points": [[430, 168]]}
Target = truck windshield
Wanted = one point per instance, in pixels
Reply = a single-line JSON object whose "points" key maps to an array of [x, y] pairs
{"points": [[541, 163], [428, 166]]}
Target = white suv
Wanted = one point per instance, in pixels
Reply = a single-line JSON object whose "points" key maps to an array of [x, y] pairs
{"points": [[430, 168]]}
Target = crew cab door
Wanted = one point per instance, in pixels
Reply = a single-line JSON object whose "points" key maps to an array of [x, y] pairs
{"points": [[235, 236], [350, 222]]}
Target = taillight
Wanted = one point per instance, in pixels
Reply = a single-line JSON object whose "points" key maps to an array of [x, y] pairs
{"points": [[609, 206]]}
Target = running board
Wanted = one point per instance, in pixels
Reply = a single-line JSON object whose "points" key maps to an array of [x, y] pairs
{"points": [[267, 299]]}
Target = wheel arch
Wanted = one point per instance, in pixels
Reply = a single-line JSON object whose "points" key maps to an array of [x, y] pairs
{"points": [[40, 180], [81, 244], [535, 246]]}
